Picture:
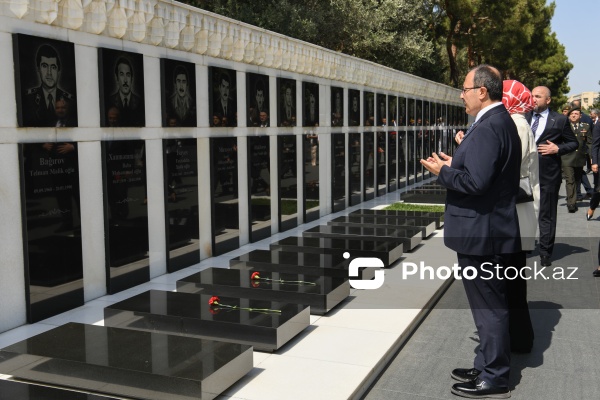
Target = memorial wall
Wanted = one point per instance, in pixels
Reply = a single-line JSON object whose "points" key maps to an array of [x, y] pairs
{"points": [[140, 137]]}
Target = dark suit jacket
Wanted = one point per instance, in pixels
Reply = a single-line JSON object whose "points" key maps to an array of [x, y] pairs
{"points": [[231, 110], [596, 144], [482, 184], [558, 131]]}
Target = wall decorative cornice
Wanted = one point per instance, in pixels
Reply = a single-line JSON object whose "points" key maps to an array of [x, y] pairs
{"points": [[179, 26]]}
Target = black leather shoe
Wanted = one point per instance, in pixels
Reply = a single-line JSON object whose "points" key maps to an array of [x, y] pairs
{"points": [[545, 261], [464, 374], [479, 389], [572, 209], [596, 273]]}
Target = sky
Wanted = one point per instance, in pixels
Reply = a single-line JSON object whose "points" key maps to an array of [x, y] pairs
{"points": [[575, 27]]}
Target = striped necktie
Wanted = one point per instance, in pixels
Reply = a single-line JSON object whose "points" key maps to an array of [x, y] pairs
{"points": [[535, 123]]}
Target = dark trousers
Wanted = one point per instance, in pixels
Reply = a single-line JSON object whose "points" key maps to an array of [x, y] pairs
{"points": [[489, 306], [520, 327], [547, 217]]}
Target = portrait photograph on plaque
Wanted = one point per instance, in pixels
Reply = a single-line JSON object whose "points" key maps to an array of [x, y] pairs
{"points": [[126, 214], [369, 109], [181, 203], [286, 92], [311, 176], [257, 100], [337, 106], [44, 82], [381, 110], [354, 158], [369, 160], [51, 228], [222, 97], [121, 80], [392, 111], [178, 94], [310, 104], [353, 107]]}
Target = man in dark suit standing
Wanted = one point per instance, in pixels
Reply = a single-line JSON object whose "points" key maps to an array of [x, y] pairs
{"points": [[554, 139], [481, 225]]}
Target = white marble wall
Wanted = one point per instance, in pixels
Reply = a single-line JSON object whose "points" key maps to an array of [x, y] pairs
{"points": [[163, 29]]}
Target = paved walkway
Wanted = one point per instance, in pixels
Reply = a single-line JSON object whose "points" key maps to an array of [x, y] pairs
{"points": [[565, 361]]}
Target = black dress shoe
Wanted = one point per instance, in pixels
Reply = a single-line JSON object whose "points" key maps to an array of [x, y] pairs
{"points": [[464, 374], [572, 209], [596, 273], [479, 389], [545, 261]]}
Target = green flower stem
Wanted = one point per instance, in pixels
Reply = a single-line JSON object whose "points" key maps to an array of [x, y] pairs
{"points": [[248, 309]]}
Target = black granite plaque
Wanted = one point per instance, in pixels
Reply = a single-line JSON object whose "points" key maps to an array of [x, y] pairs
{"points": [[265, 325], [355, 161], [381, 109], [288, 182], [52, 229], [387, 251], [338, 167], [337, 106], [259, 184], [310, 104], [402, 159], [437, 217], [225, 202], [45, 83], [126, 214], [392, 111], [369, 109], [286, 102], [381, 159], [410, 237], [321, 293], [353, 107], [178, 84], [297, 262], [369, 162], [311, 177], [14, 390], [257, 101], [427, 196], [127, 363], [181, 203], [222, 94], [392, 161], [427, 226]]}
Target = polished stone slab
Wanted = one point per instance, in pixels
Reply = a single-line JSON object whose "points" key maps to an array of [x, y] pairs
{"points": [[429, 196], [191, 315], [438, 217], [387, 251], [298, 263], [410, 237], [14, 390], [127, 363], [427, 226], [321, 293]]}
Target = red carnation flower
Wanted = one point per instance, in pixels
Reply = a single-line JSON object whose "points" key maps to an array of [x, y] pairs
{"points": [[214, 301], [255, 275]]}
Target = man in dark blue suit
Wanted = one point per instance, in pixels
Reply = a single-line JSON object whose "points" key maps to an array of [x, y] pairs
{"points": [[554, 139], [481, 225]]}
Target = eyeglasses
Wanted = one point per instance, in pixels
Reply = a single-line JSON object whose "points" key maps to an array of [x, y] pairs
{"points": [[466, 89]]}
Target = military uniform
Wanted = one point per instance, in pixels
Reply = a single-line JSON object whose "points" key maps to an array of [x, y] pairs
{"points": [[37, 112], [573, 163]]}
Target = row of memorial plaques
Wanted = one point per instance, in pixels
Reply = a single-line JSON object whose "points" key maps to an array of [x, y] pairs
{"points": [[385, 161], [46, 94]]}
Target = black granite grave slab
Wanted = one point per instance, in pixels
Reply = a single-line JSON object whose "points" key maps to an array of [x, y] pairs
{"points": [[427, 196], [298, 263], [427, 226], [409, 237], [321, 293], [387, 251], [127, 363], [14, 390], [438, 217], [191, 315]]}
